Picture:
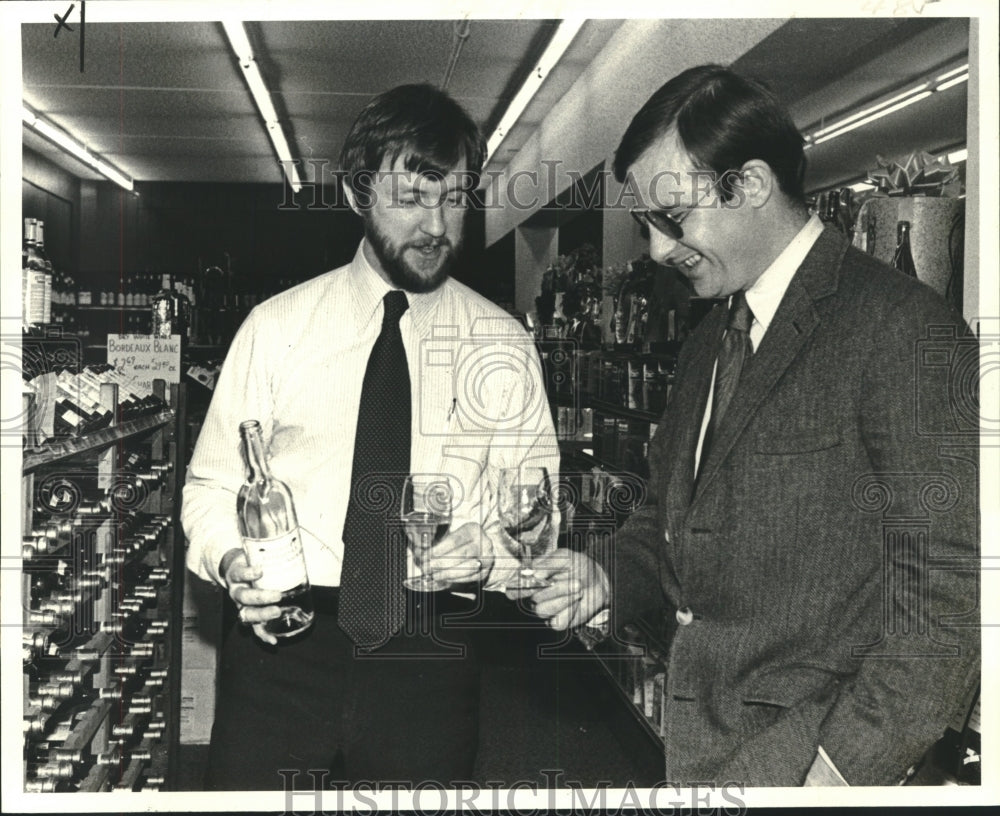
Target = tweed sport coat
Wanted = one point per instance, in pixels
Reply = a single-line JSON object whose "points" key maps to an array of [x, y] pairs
{"points": [[827, 561]]}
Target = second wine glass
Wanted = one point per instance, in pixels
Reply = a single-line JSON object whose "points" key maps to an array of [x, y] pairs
{"points": [[527, 504], [426, 515]]}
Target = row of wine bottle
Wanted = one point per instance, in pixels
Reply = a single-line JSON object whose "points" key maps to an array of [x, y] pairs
{"points": [[83, 666], [74, 397]]}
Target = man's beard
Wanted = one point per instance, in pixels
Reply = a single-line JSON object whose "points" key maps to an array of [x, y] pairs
{"points": [[401, 273]]}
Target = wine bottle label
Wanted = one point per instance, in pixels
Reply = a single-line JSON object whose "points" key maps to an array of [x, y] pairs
{"points": [[279, 558]]}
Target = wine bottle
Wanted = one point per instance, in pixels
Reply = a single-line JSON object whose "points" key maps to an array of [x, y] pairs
{"points": [[33, 276], [161, 305], [182, 309], [270, 533], [832, 207], [846, 214], [166, 312], [903, 258], [48, 272]]}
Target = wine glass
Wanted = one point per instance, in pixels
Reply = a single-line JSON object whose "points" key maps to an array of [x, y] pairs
{"points": [[426, 515], [526, 504]]}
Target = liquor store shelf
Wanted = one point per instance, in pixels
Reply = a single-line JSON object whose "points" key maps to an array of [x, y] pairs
{"points": [[582, 450], [586, 401], [647, 728], [55, 451], [623, 411], [98, 307]]}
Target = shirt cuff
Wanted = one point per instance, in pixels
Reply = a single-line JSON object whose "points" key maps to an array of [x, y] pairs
{"points": [[205, 560]]}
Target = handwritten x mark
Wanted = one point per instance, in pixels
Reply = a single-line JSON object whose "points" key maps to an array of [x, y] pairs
{"points": [[62, 20]]}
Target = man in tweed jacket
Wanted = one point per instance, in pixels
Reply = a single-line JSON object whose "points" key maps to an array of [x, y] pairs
{"points": [[819, 558]]}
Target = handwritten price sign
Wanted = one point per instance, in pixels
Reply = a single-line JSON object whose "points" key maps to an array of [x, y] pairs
{"points": [[146, 358]]}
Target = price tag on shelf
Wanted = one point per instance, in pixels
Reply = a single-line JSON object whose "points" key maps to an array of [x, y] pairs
{"points": [[146, 358]]}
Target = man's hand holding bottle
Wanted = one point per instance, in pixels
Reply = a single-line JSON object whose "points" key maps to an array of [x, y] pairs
{"points": [[256, 606]]}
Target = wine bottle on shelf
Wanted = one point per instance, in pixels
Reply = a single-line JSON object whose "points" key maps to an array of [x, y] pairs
{"points": [[171, 310], [162, 304], [845, 219], [70, 419], [870, 234], [832, 207], [48, 272], [270, 532], [903, 257], [87, 395], [194, 321], [33, 277], [182, 308], [129, 406]]}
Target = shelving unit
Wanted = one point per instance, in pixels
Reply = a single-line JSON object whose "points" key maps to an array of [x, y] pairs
{"points": [[101, 577], [605, 404]]}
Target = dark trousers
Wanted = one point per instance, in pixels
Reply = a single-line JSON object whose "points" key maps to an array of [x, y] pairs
{"points": [[407, 712]]}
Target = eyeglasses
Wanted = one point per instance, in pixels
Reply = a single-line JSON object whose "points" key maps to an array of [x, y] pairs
{"points": [[665, 221]]}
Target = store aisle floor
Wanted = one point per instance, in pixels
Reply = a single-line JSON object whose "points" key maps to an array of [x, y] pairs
{"points": [[549, 720]]}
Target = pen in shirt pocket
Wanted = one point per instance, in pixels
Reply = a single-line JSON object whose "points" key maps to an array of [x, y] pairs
{"points": [[451, 414]]}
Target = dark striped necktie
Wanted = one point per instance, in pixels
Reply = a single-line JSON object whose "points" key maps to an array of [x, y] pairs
{"points": [[736, 350]]}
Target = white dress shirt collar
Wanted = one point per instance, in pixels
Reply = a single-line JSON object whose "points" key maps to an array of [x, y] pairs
{"points": [[763, 298], [765, 295], [368, 289]]}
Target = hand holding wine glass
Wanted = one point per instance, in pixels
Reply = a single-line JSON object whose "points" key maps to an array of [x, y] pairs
{"points": [[426, 515], [526, 505]]}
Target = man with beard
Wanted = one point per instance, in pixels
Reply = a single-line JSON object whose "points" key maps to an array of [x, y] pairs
{"points": [[382, 368]]}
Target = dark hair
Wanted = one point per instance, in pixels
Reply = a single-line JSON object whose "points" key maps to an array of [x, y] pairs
{"points": [[420, 122], [723, 121]]}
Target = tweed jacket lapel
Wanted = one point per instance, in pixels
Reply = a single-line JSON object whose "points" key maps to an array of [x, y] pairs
{"points": [[793, 323]]}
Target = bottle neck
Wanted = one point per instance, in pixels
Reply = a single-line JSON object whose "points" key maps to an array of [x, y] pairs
{"points": [[256, 461]]}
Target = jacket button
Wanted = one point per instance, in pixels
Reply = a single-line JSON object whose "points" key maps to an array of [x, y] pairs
{"points": [[666, 536], [685, 616]]}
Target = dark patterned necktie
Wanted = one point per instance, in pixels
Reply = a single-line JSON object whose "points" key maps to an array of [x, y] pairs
{"points": [[735, 351], [372, 604]]}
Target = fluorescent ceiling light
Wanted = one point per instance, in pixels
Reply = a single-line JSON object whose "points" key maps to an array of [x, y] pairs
{"points": [[920, 90], [262, 98], [557, 46], [840, 131], [952, 72], [881, 106], [74, 148], [959, 79]]}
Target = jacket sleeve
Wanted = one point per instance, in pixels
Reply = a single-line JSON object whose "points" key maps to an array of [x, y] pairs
{"points": [[641, 577]]}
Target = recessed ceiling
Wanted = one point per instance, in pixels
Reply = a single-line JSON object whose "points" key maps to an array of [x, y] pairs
{"points": [[167, 102]]}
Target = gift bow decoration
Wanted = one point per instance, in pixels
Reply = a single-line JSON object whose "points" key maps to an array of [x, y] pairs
{"points": [[919, 174]]}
